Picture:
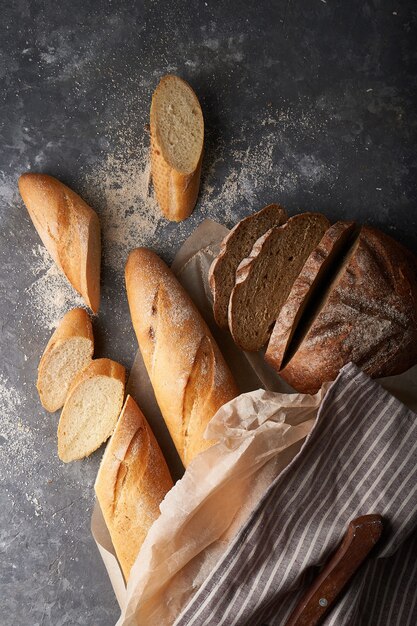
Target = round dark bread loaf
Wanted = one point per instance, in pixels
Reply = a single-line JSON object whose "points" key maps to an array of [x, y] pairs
{"points": [[369, 317]]}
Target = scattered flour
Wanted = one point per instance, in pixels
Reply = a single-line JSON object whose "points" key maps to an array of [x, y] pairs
{"points": [[35, 502], [17, 441], [130, 215], [274, 164], [50, 293]]}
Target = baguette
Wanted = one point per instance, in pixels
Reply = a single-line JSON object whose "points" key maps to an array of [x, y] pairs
{"points": [[69, 229], [177, 138], [91, 409], [131, 483], [68, 351], [188, 373]]}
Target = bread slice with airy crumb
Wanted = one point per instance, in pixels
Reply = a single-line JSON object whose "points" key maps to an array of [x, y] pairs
{"points": [[235, 247], [91, 409], [177, 138], [69, 350], [265, 278]]}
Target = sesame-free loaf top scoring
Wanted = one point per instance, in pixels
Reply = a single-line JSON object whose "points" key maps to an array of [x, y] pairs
{"points": [[368, 316]]}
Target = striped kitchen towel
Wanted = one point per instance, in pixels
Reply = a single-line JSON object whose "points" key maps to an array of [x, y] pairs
{"points": [[360, 458]]}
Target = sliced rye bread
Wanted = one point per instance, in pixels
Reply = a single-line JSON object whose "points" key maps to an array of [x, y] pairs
{"points": [[91, 409], [68, 351], [313, 281], [235, 247], [369, 316], [265, 278]]}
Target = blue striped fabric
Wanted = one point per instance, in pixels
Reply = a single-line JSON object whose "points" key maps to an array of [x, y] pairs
{"points": [[361, 457]]}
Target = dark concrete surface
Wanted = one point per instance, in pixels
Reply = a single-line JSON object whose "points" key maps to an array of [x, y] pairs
{"points": [[311, 104]]}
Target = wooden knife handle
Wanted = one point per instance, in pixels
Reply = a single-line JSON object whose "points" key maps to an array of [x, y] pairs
{"points": [[361, 536]]}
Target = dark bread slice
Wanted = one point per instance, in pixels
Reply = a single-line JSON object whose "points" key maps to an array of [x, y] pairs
{"points": [[311, 285], [369, 317], [235, 247], [265, 278]]}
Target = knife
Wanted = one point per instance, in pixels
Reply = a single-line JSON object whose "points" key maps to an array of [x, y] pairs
{"points": [[361, 536]]}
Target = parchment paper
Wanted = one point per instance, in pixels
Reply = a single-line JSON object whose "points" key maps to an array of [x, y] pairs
{"points": [[258, 434]]}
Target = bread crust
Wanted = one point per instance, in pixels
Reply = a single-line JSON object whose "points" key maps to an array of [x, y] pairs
{"points": [[97, 367], [370, 317], [132, 481], [248, 265], [176, 191], [303, 285], [189, 376], [219, 267], [75, 323], [69, 229]]}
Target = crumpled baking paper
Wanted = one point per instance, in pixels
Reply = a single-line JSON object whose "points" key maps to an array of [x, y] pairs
{"points": [[258, 435]]}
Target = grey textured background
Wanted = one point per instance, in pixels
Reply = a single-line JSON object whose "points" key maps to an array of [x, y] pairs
{"points": [[311, 104]]}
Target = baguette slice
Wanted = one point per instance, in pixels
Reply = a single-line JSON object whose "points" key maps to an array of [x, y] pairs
{"points": [[189, 376], [69, 229], [235, 247], [265, 278], [131, 483], [177, 138], [69, 350], [91, 409], [294, 318], [369, 316]]}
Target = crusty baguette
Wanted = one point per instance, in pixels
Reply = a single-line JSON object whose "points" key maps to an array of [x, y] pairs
{"points": [[264, 279], [235, 247], [69, 229], [131, 483], [189, 375], [307, 290], [369, 317], [177, 139], [91, 409], [68, 351]]}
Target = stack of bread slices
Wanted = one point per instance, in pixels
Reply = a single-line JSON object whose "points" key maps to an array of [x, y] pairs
{"points": [[319, 295]]}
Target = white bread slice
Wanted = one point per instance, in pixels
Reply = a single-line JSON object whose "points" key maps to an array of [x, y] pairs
{"points": [[177, 138], [69, 229], [235, 247], [132, 481], [265, 278], [68, 351], [91, 409]]}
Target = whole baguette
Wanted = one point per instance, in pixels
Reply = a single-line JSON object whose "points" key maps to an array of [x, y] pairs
{"points": [[76, 324], [176, 187], [188, 373], [131, 483], [69, 229]]}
